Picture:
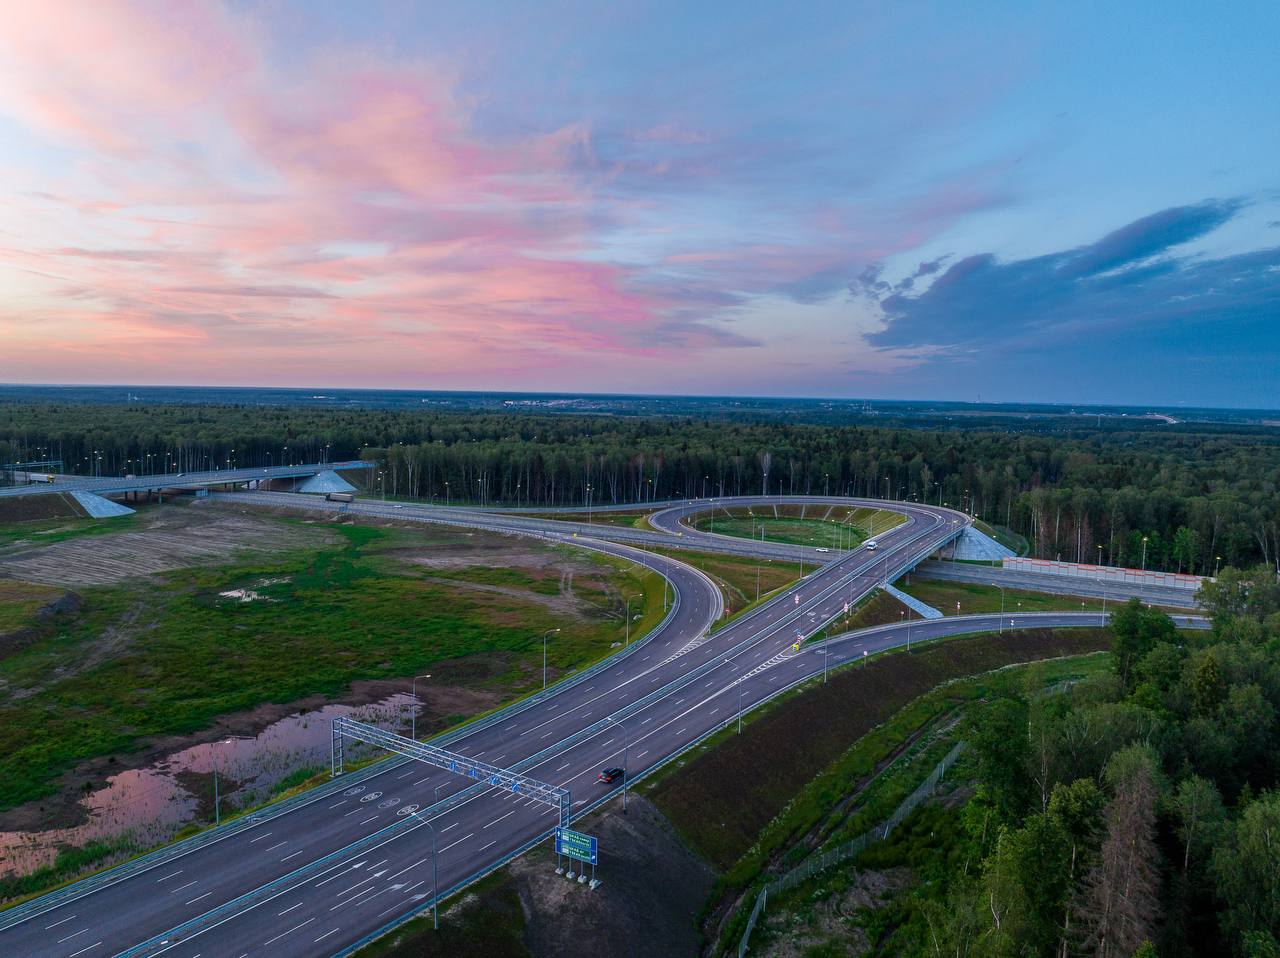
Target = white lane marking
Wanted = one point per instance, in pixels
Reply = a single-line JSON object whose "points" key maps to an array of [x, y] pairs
{"points": [[57, 923], [291, 908], [368, 820], [501, 817], [289, 932], [294, 855], [278, 845], [328, 933], [407, 774], [168, 876], [447, 827], [336, 804], [483, 847], [187, 885], [83, 950], [69, 937], [405, 869], [564, 766], [549, 734], [259, 838], [198, 897], [458, 842]]}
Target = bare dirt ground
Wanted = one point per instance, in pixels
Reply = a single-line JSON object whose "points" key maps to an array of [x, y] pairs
{"points": [[647, 905], [170, 537]]}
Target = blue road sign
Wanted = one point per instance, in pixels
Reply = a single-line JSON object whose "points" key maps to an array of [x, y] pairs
{"points": [[576, 845]]}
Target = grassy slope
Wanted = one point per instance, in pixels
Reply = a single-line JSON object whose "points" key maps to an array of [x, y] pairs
{"points": [[737, 576], [726, 795], [347, 612]]}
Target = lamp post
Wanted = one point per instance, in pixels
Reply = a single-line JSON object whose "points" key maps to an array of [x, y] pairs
{"points": [[435, 893], [1144, 553], [1001, 588], [545, 636], [1217, 561], [626, 752], [628, 599], [413, 716], [217, 797]]}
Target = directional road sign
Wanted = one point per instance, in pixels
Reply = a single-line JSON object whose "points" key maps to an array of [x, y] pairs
{"points": [[576, 845]]}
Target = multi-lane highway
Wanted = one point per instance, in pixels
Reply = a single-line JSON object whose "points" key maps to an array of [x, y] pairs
{"points": [[328, 871]]}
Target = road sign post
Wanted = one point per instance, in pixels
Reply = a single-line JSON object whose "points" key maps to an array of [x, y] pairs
{"points": [[579, 847]]}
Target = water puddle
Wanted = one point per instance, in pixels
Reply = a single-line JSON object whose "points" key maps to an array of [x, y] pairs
{"points": [[151, 804]]}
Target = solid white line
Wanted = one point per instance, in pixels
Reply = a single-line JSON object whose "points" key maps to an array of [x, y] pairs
{"points": [[458, 842], [501, 817], [289, 932], [328, 933]]}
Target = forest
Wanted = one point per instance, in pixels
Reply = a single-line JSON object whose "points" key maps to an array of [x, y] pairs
{"points": [[1133, 815], [1186, 497]]}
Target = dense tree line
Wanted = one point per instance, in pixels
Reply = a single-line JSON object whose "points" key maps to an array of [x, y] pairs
{"points": [[1186, 499], [1138, 815]]}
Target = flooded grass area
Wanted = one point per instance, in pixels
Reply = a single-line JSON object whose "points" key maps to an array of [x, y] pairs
{"points": [[104, 706]]}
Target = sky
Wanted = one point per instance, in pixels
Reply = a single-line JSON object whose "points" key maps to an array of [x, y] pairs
{"points": [[1007, 201]]}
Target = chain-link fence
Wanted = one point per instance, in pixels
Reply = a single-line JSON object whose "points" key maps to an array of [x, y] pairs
{"points": [[851, 848]]}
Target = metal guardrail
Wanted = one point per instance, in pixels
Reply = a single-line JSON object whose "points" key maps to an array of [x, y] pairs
{"points": [[846, 850]]}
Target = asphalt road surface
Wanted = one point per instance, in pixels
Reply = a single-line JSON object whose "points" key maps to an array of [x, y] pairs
{"points": [[104, 485], [327, 872]]}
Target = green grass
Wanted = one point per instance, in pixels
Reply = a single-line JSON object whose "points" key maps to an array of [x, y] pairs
{"points": [[834, 529], [336, 615], [740, 578], [48, 531], [1011, 540], [977, 598], [20, 601]]}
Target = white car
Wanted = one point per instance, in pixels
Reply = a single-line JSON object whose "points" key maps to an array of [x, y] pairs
{"points": [[871, 545], [823, 549]]}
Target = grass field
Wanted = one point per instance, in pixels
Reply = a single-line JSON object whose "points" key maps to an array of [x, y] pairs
{"points": [[165, 655], [741, 580], [40, 532], [818, 526], [976, 598]]}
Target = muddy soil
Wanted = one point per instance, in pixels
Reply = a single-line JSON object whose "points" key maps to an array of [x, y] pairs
{"points": [[440, 707], [167, 538]]}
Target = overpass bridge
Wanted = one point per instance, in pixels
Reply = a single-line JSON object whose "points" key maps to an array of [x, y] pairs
{"points": [[185, 481]]}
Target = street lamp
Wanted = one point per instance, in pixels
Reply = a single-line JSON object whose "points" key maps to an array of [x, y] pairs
{"points": [[217, 798], [413, 716], [545, 635], [1217, 561], [435, 886], [1144, 553], [1001, 588], [628, 600]]}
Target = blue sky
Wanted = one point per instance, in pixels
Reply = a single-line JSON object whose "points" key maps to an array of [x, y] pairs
{"points": [[1027, 202]]}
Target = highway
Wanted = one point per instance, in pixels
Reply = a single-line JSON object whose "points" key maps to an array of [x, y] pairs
{"points": [[326, 872]]}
